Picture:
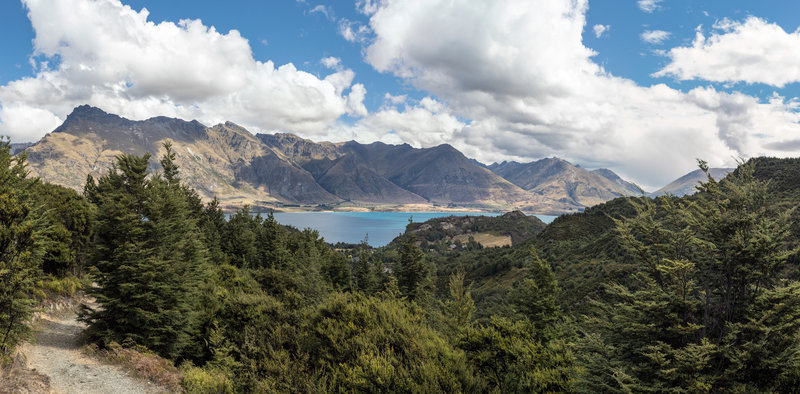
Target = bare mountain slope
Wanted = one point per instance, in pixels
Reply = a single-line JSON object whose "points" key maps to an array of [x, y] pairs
{"points": [[225, 161], [228, 162], [557, 179], [685, 185]]}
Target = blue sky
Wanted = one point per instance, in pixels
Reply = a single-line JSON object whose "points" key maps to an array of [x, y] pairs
{"points": [[642, 87]]}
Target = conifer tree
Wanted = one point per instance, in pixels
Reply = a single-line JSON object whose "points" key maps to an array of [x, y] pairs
{"points": [[535, 296], [271, 241], [19, 254], [458, 309], [364, 276], [212, 224], [705, 311], [239, 238], [148, 258], [412, 270]]}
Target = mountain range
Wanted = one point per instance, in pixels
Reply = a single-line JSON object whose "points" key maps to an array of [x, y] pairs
{"points": [[284, 171]]}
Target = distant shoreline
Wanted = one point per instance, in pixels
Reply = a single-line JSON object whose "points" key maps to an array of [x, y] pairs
{"points": [[230, 207]]}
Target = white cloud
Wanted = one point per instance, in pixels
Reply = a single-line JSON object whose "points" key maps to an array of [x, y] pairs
{"points": [[526, 86], [331, 62], [106, 54], [395, 100], [326, 11], [649, 5], [654, 36], [367, 7], [355, 100], [353, 31], [423, 125], [599, 30], [753, 51]]}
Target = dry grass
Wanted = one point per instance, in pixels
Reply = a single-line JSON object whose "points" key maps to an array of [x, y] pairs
{"points": [[142, 363], [16, 378], [485, 239]]}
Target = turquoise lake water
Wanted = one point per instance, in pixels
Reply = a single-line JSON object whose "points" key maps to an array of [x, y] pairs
{"points": [[351, 227]]}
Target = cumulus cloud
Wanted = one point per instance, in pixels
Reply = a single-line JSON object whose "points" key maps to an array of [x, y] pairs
{"points": [[654, 36], [753, 51], [649, 6], [599, 30], [526, 87], [106, 54], [423, 124], [355, 100]]}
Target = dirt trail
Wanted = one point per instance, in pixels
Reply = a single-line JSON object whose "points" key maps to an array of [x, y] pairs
{"points": [[55, 353]]}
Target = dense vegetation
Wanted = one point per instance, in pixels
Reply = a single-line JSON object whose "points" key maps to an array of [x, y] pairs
{"points": [[45, 232], [669, 294]]}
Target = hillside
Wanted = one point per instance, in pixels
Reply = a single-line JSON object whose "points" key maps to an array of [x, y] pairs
{"points": [[515, 226], [554, 178]]}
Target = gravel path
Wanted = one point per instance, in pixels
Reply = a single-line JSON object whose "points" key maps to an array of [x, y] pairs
{"points": [[55, 353]]}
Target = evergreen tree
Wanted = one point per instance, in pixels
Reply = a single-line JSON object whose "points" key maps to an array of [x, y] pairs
{"points": [[458, 309], [366, 344], [512, 360], [705, 311], [271, 241], [66, 234], [364, 276], [412, 270], [148, 258], [239, 238], [212, 224], [19, 252], [535, 296]]}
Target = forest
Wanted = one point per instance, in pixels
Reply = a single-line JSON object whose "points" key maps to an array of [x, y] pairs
{"points": [[692, 294]]}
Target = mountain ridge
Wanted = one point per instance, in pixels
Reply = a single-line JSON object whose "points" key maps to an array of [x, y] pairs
{"points": [[282, 170]]}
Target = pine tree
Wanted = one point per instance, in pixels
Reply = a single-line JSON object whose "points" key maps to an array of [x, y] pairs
{"points": [[19, 254], [364, 276], [239, 238], [212, 224], [148, 258], [535, 296], [412, 270], [271, 241], [458, 309], [705, 311]]}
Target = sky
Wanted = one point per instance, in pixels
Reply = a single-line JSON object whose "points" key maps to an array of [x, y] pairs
{"points": [[642, 87]]}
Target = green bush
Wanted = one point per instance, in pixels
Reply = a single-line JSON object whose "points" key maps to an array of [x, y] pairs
{"points": [[200, 380], [66, 286]]}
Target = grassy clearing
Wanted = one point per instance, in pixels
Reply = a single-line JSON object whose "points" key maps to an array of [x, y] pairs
{"points": [[486, 240]]}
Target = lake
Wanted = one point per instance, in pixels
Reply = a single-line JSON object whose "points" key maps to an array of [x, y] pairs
{"points": [[351, 227]]}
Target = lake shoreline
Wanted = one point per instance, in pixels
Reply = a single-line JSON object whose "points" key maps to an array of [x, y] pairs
{"points": [[379, 228], [263, 207]]}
